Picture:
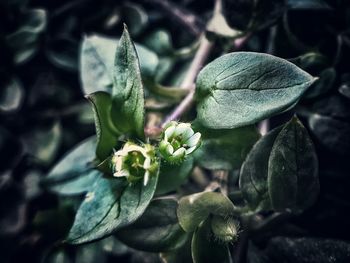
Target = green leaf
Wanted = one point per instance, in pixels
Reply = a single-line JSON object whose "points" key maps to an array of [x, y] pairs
{"points": [[160, 42], [107, 134], [254, 171], [111, 204], [242, 88], [225, 149], [205, 248], [171, 176], [293, 169], [74, 174], [128, 95], [97, 59], [194, 209], [157, 230]]}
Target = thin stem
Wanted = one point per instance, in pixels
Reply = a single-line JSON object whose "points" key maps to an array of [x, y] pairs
{"points": [[201, 56]]}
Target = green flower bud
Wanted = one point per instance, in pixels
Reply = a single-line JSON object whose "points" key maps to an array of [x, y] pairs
{"points": [[135, 162], [224, 229], [178, 141]]}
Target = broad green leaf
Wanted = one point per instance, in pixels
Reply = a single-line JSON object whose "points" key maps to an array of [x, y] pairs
{"points": [[253, 176], [242, 88], [194, 209], [97, 63], [157, 230], [109, 206], [74, 174], [225, 149], [293, 169], [207, 249], [172, 176], [107, 134], [128, 95]]}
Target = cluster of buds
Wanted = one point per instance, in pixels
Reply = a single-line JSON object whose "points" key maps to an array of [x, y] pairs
{"points": [[139, 162], [135, 162], [178, 140]]}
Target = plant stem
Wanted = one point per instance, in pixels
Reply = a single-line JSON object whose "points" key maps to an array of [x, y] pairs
{"points": [[185, 17], [189, 81]]}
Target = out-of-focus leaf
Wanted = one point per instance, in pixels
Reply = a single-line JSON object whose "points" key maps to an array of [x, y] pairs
{"points": [[63, 53], [74, 174], [97, 63], [159, 41], [252, 14], [43, 143], [164, 235], [322, 85], [135, 17], [172, 176], [22, 41], [242, 88], [194, 209], [345, 90], [253, 176], [225, 149], [11, 96], [307, 250], [110, 205], [307, 4], [128, 95], [11, 149]]}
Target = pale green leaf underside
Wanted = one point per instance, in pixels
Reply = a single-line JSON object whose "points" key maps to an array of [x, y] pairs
{"points": [[195, 208], [242, 88]]}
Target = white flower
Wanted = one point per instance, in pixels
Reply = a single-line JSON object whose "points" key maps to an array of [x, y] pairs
{"points": [[135, 162], [179, 140]]}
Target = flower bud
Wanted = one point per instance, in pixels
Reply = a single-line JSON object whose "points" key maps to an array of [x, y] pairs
{"points": [[224, 229], [135, 162], [178, 141]]}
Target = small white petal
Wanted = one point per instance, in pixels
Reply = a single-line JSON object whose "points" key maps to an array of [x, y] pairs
{"points": [[179, 152], [190, 150], [187, 134], [122, 173], [146, 178], [193, 141], [147, 163], [170, 149], [181, 128], [169, 132]]}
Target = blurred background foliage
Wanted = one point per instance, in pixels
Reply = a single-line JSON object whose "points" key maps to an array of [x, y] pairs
{"points": [[43, 112]]}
